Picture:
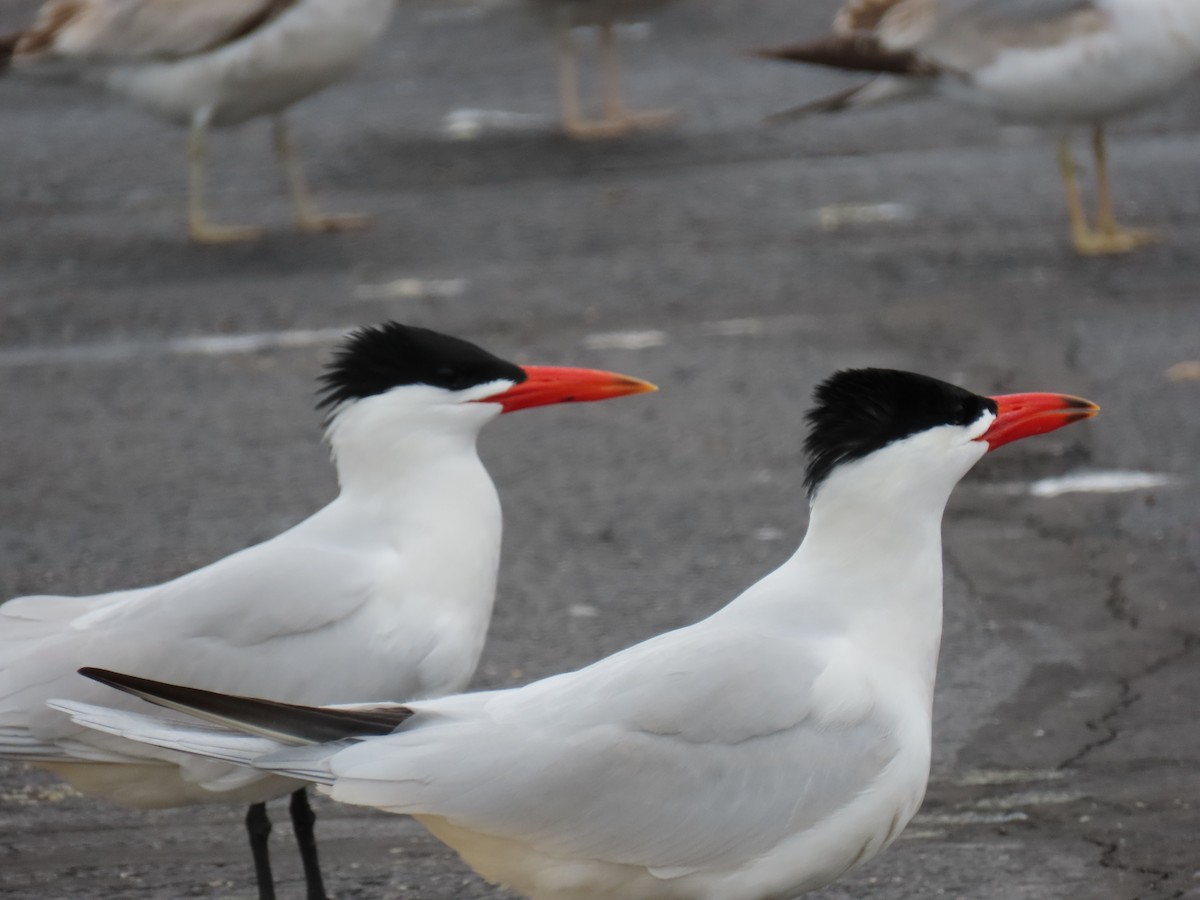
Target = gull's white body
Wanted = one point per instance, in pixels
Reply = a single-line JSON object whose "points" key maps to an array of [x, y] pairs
{"points": [[1047, 62], [155, 53], [758, 753], [386, 592]]}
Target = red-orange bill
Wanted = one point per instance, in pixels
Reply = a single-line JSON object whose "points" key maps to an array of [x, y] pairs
{"points": [[545, 385], [1024, 415]]}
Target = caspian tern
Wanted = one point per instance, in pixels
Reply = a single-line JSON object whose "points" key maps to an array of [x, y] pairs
{"points": [[761, 752], [209, 63], [386, 592], [1061, 63]]}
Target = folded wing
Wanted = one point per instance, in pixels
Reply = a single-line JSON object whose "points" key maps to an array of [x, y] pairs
{"points": [[142, 30], [699, 749], [255, 618]]}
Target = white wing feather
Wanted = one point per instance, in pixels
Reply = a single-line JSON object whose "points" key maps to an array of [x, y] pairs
{"points": [[624, 761], [954, 32], [161, 730], [580, 764], [279, 598]]}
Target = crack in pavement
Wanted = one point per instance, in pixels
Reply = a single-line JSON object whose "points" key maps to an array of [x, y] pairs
{"points": [[1125, 700], [1117, 603], [1128, 698], [1109, 851]]}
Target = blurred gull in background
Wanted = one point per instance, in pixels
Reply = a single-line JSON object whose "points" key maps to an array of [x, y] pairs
{"points": [[616, 118], [206, 63], [1059, 63]]}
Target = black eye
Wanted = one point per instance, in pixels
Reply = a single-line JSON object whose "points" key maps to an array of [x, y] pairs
{"points": [[964, 412], [450, 378]]}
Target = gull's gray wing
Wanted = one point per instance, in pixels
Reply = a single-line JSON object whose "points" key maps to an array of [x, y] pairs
{"points": [[128, 30], [964, 35]]}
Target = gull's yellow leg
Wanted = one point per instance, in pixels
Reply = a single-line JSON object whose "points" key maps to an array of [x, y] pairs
{"points": [[308, 217], [1112, 237], [200, 229], [575, 123], [1081, 232], [568, 78], [615, 110], [611, 100]]}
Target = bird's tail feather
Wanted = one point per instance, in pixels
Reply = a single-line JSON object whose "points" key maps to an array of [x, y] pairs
{"points": [[169, 733], [286, 723], [831, 103], [853, 52], [879, 90]]}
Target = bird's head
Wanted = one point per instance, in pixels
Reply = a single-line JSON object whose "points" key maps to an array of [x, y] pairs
{"points": [[892, 432], [435, 378]]}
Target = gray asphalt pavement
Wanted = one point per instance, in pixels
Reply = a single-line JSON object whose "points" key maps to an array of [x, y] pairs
{"points": [[142, 434]]}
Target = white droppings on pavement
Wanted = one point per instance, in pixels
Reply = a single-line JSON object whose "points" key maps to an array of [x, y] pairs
{"points": [[840, 215], [1007, 776], [625, 340], [734, 328], [921, 834], [412, 289], [226, 344], [968, 817], [194, 345], [1028, 798], [469, 124], [1100, 482], [35, 795]]}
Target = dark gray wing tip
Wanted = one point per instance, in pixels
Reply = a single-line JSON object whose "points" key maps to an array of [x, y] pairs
{"points": [[316, 724]]}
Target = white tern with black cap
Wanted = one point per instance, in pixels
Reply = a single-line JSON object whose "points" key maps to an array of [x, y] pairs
{"points": [[385, 593], [759, 753]]}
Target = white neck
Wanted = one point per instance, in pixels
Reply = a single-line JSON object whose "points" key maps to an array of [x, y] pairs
{"points": [[870, 566], [413, 487], [383, 443], [411, 472]]}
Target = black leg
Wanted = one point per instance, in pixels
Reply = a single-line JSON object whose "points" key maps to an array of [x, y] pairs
{"points": [[259, 828], [302, 823]]}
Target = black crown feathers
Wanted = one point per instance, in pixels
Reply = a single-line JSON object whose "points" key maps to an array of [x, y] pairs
{"points": [[859, 411], [376, 358]]}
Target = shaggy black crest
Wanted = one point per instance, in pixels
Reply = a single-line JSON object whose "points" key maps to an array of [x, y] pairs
{"points": [[859, 411], [376, 358]]}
